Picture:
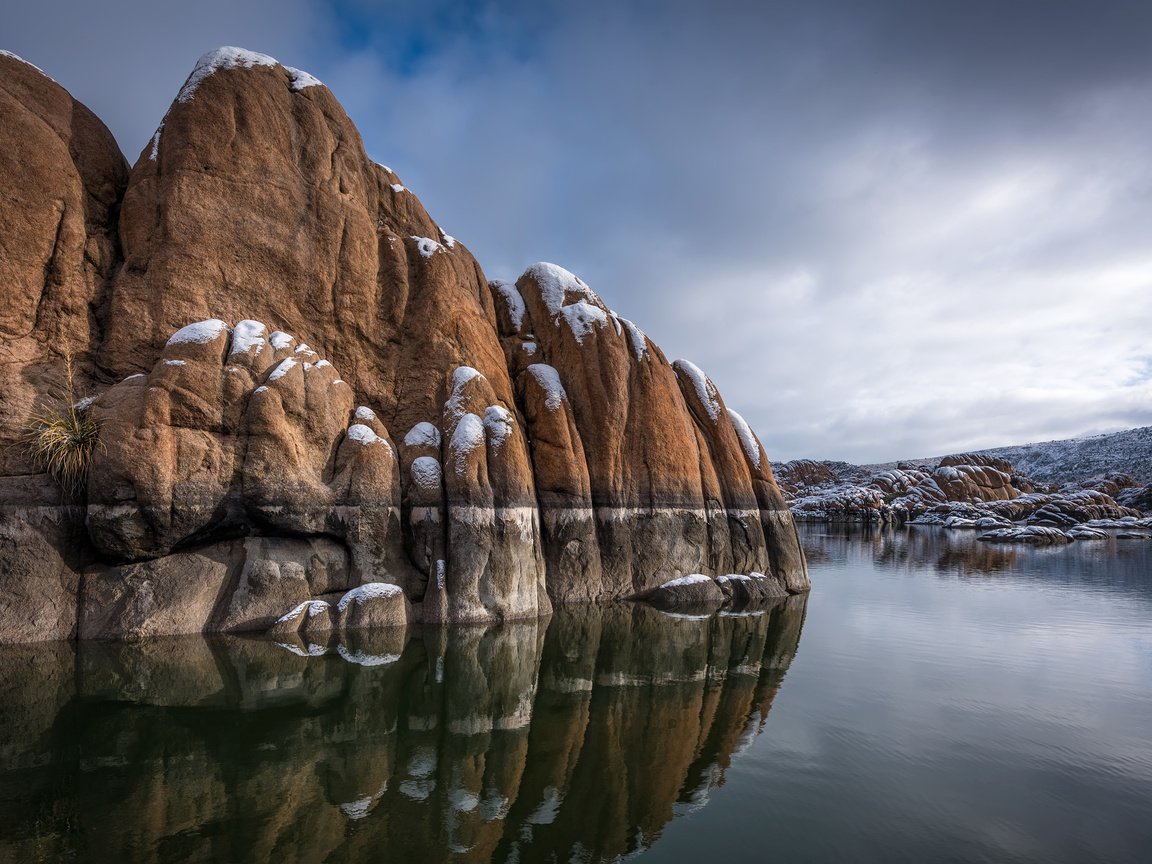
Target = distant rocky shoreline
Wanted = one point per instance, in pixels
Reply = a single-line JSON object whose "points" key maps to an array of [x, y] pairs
{"points": [[970, 491]]}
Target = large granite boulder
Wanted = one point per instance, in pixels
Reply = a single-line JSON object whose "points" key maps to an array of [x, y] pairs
{"points": [[488, 449]]}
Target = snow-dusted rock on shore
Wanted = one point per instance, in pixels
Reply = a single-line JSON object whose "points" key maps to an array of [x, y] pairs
{"points": [[974, 491]]}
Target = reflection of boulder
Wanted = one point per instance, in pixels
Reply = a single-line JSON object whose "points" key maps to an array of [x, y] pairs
{"points": [[388, 743]]}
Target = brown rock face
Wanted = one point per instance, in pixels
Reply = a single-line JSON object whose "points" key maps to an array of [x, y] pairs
{"points": [[490, 449], [640, 468], [61, 180]]}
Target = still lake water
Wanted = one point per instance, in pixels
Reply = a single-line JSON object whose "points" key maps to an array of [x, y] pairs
{"points": [[933, 699]]}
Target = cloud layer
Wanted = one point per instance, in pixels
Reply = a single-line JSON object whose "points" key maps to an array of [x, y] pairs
{"points": [[885, 229]]}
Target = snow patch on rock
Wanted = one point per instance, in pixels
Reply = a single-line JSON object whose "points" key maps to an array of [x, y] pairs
{"points": [[310, 607], [280, 340], [703, 385], [469, 435], [583, 318], [423, 434], [427, 246], [512, 299], [454, 406], [549, 380], [248, 335], [301, 80], [498, 422], [284, 367], [20, 59], [371, 591], [426, 472], [363, 435], [691, 579], [747, 439], [228, 57], [556, 283], [637, 336], [199, 333]]}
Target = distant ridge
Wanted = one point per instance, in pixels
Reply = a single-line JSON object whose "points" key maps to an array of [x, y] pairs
{"points": [[1072, 459]]}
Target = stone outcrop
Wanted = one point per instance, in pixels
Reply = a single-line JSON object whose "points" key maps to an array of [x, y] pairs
{"points": [[288, 354], [962, 491]]}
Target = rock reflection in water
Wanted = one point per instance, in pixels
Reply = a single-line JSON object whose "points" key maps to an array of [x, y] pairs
{"points": [[1109, 564], [908, 547], [576, 738]]}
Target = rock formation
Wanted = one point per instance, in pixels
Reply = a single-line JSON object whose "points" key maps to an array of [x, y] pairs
{"points": [[963, 491], [305, 385]]}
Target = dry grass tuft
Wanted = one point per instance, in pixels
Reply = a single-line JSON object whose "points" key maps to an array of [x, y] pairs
{"points": [[61, 440]]}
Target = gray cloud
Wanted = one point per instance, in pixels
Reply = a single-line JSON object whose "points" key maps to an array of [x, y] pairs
{"points": [[885, 229]]}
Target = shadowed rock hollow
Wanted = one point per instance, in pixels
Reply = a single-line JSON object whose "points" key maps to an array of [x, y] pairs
{"points": [[305, 386]]}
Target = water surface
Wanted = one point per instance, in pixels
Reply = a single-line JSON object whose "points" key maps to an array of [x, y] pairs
{"points": [[934, 699]]}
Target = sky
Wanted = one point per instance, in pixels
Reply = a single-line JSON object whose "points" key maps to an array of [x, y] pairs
{"points": [[886, 229]]}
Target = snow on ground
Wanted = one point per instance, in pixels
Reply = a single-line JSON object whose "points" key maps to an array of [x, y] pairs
{"points": [[1071, 459]]}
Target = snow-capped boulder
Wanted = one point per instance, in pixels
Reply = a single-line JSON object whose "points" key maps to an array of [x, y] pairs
{"points": [[1035, 534], [692, 590]]}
